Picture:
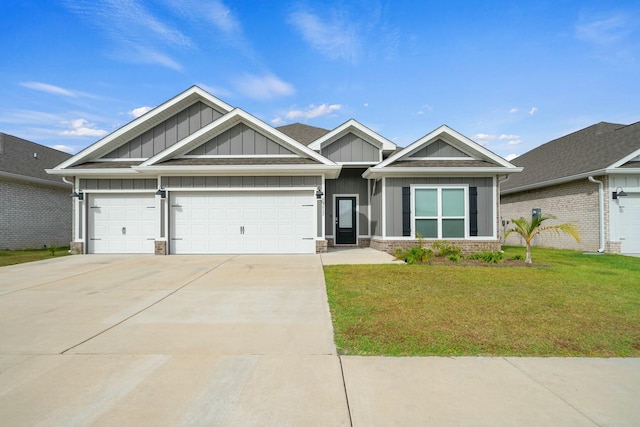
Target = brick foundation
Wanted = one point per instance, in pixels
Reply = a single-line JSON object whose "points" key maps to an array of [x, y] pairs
{"points": [[467, 246], [76, 248], [321, 246], [160, 247]]}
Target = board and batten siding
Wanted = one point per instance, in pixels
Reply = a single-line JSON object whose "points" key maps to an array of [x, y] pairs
{"points": [[349, 182], [167, 133], [175, 182], [438, 148], [393, 194], [119, 184], [351, 148], [240, 140]]}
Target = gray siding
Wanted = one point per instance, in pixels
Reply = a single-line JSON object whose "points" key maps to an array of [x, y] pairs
{"points": [[349, 182], [240, 140], [167, 133], [376, 209], [118, 184], [439, 148], [393, 194], [351, 148], [240, 181]]}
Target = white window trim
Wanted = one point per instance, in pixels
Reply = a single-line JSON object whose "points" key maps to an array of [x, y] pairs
{"points": [[439, 218]]}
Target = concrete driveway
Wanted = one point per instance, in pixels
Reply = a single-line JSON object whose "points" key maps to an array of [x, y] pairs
{"points": [[145, 340], [247, 341]]}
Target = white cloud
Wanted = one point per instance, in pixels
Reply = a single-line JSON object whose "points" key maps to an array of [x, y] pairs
{"points": [[65, 148], [511, 157], [48, 88], [81, 127], [366, 104], [533, 111], [485, 138], [263, 87], [140, 111], [513, 110], [277, 121], [313, 111], [604, 29], [334, 38]]}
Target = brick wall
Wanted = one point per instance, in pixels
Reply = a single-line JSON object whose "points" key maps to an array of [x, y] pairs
{"points": [[575, 202], [467, 246], [32, 215]]}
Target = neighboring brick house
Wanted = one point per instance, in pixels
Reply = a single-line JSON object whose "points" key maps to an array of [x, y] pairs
{"points": [[198, 176], [35, 207], [590, 177]]}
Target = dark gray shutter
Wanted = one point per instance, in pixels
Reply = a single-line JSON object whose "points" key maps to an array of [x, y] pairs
{"points": [[473, 211], [406, 211]]}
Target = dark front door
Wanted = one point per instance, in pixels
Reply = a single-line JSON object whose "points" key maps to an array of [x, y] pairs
{"points": [[345, 220]]}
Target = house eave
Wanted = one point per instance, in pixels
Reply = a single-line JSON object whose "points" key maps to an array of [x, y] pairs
{"points": [[372, 173], [33, 180], [557, 181], [328, 171]]}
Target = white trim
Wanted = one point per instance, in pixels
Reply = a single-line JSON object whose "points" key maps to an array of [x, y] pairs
{"points": [[335, 220], [238, 156], [383, 207], [369, 207], [323, 201], [238, 189], [122, 159], [412, 159], [496, 201], [625, 159], [117, 191], [439, 217], [376, 172], [239, 170]]}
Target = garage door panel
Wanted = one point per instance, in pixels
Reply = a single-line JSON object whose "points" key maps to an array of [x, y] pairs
{"points": [[248, 222], [121, 223]]}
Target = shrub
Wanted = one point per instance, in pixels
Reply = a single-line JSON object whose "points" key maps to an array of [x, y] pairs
{"points": [[488, 257], [444, 249]]}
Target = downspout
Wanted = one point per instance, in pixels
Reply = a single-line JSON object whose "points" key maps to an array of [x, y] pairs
{"points": [[600, 210], [66, 181]]}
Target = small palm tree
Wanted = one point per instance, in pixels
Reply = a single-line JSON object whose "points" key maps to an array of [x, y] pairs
{"points": [[530, 229]]}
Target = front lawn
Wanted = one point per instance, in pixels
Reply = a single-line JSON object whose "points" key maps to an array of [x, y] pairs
{"points": [[18, 257], [572, 304]]}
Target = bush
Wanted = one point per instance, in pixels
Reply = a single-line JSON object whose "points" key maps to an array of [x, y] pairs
{"points": [[416, 255], [444, 249], [488, 257]]}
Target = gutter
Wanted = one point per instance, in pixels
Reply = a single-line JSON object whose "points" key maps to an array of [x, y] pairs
{"points": [[600, 210]]}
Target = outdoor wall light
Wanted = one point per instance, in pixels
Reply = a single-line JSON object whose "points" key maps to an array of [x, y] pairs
{"points": [[162, 193], [319, 194], [79, 195], [618, 193]]}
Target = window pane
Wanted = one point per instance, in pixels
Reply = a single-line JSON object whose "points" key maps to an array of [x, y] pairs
{"points": [[427, 228], [426, 202], [452, 202], [345, 215], [452, 228]]}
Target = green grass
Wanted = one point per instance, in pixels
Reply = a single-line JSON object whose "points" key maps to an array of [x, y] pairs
{"points": [[571, 304], [18, 257]]}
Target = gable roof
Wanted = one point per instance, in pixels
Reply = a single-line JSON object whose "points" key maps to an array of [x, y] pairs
{"points": [[478, 160], [146, 122], [358, 129], [594, 150], [26, 160], [302, 133]]}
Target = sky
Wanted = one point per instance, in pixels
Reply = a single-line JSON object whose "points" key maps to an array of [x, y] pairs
{"points": [[510, 75]]}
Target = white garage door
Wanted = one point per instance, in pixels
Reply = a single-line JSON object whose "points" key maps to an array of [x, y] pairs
{"points": [[121, 223], [242, 222], [630, 223]]}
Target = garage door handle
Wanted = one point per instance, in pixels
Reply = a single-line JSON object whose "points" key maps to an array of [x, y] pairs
{"points": [[176, 206], [307, 238], [176, 238], [94, 239], [151, 238]]}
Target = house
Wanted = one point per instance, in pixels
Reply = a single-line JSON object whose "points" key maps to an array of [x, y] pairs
{"points": [[195, 175], [35, 210], [590, 177]]}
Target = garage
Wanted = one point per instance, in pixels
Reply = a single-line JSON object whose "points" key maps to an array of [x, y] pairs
{"points": [[121, 223], [629, 217], [242, 222]]}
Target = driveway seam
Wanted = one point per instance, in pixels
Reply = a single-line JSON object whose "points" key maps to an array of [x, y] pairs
{"points": [[150, 305], [346, 393], [551, 391]]}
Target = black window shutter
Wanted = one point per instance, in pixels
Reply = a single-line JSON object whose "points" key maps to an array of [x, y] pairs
{"points": [[473, 211], [406, 211]]}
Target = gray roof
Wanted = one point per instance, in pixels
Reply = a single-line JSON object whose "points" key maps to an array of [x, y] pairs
{"points": [[592, 149], [28, 159], [302, 133]]}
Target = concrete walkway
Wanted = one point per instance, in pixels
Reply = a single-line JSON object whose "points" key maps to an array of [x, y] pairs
{"points": [[248, 341]]}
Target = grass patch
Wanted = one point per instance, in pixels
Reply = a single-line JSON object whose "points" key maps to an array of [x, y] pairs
{"points": [[572, 305], [19, 257]]}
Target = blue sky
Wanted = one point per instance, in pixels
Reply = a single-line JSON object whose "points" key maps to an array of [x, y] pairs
{"points": [[510, 75]]}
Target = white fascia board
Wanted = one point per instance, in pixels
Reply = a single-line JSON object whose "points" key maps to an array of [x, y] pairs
{"points": [[146, 122], [556, 181], [352, 125], [458, 137], [623, 171], [625, 159], [330, 171], [375, 172], [120, 172]]}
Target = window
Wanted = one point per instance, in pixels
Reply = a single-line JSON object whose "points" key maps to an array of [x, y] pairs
{"points": [[440, 212]]}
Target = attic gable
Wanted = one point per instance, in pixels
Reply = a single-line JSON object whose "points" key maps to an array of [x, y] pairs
{"points": [[439, 149], [240, 140]]}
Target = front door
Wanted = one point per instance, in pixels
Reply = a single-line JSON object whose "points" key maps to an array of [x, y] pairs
{"points": [[345, 221]]}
